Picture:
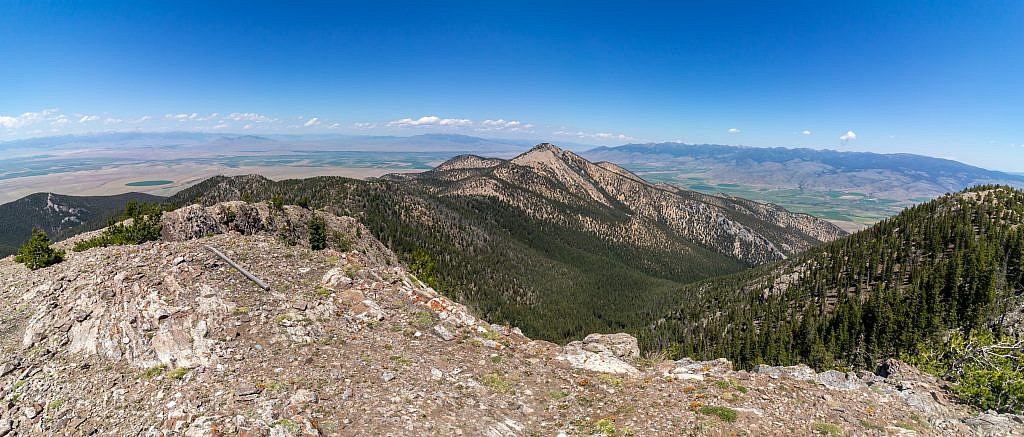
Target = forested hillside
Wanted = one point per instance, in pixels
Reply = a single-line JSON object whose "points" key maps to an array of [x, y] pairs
{"points": [[955, 263], [59, 216]]}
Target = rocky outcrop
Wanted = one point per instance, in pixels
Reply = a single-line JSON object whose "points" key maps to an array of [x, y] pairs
{"points": [[606, 353], [165, 339], [289, 223]]}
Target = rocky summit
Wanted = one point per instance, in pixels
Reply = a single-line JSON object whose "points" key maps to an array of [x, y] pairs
{"points": [[553, 185], [165, 338]]}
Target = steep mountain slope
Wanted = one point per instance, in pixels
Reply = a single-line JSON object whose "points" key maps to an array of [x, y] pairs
{"points": [[547, 241], [954, 263], [59, 215], [651, 216], [164, 338]]}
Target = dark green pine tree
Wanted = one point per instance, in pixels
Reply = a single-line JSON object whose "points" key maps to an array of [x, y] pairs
{"points": [[36, 253]]}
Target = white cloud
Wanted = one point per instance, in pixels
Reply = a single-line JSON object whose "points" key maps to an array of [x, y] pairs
{"points": [[247, 126], [88, 118], [312, 122], [364, 125], [431, 120], [733, 130], [334, 126], [249, 116], [142, 119], [597, 136], [505, 125], [61, 120], [181, 117], [848, 136], [113, 121], [221, 126], [25, 119], [805, 132], [191, 117]]}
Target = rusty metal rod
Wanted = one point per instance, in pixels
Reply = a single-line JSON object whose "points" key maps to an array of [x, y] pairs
{"points": [[245, 272]]}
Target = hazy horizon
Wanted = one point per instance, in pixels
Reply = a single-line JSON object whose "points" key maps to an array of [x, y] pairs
{"points": [[934, 79]]}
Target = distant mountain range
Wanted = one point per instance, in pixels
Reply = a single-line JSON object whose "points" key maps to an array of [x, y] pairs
{"points": [[59, 215], [899, 176], [174, 144], [851, 189]]}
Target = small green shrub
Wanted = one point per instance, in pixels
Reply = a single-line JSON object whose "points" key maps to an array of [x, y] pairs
{"points": [[488, 334], [423, 319], [602, 427], [303, 202], [139, 223], [496, 383], [276, 202], [154, 371], [275, 386], [177, 373], [725, 413], [344, 243], [829, 429], [36, 253], [613, 381], [608, 428], [400, 360]]}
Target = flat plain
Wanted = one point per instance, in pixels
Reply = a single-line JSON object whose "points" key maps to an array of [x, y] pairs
{"points": [[114, 176]]}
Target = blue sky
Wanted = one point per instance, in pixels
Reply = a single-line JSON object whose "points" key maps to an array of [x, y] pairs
{"points": [[937, 78]]}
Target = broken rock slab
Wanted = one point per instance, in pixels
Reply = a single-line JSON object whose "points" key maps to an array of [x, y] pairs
{"points": [[605, 353], [443, 333], [798, 372], [620, 345], [687, 368], [991, 423], [839, 380]]}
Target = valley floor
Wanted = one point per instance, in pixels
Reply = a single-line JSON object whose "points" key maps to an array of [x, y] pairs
{"points": [[114, 179]]}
